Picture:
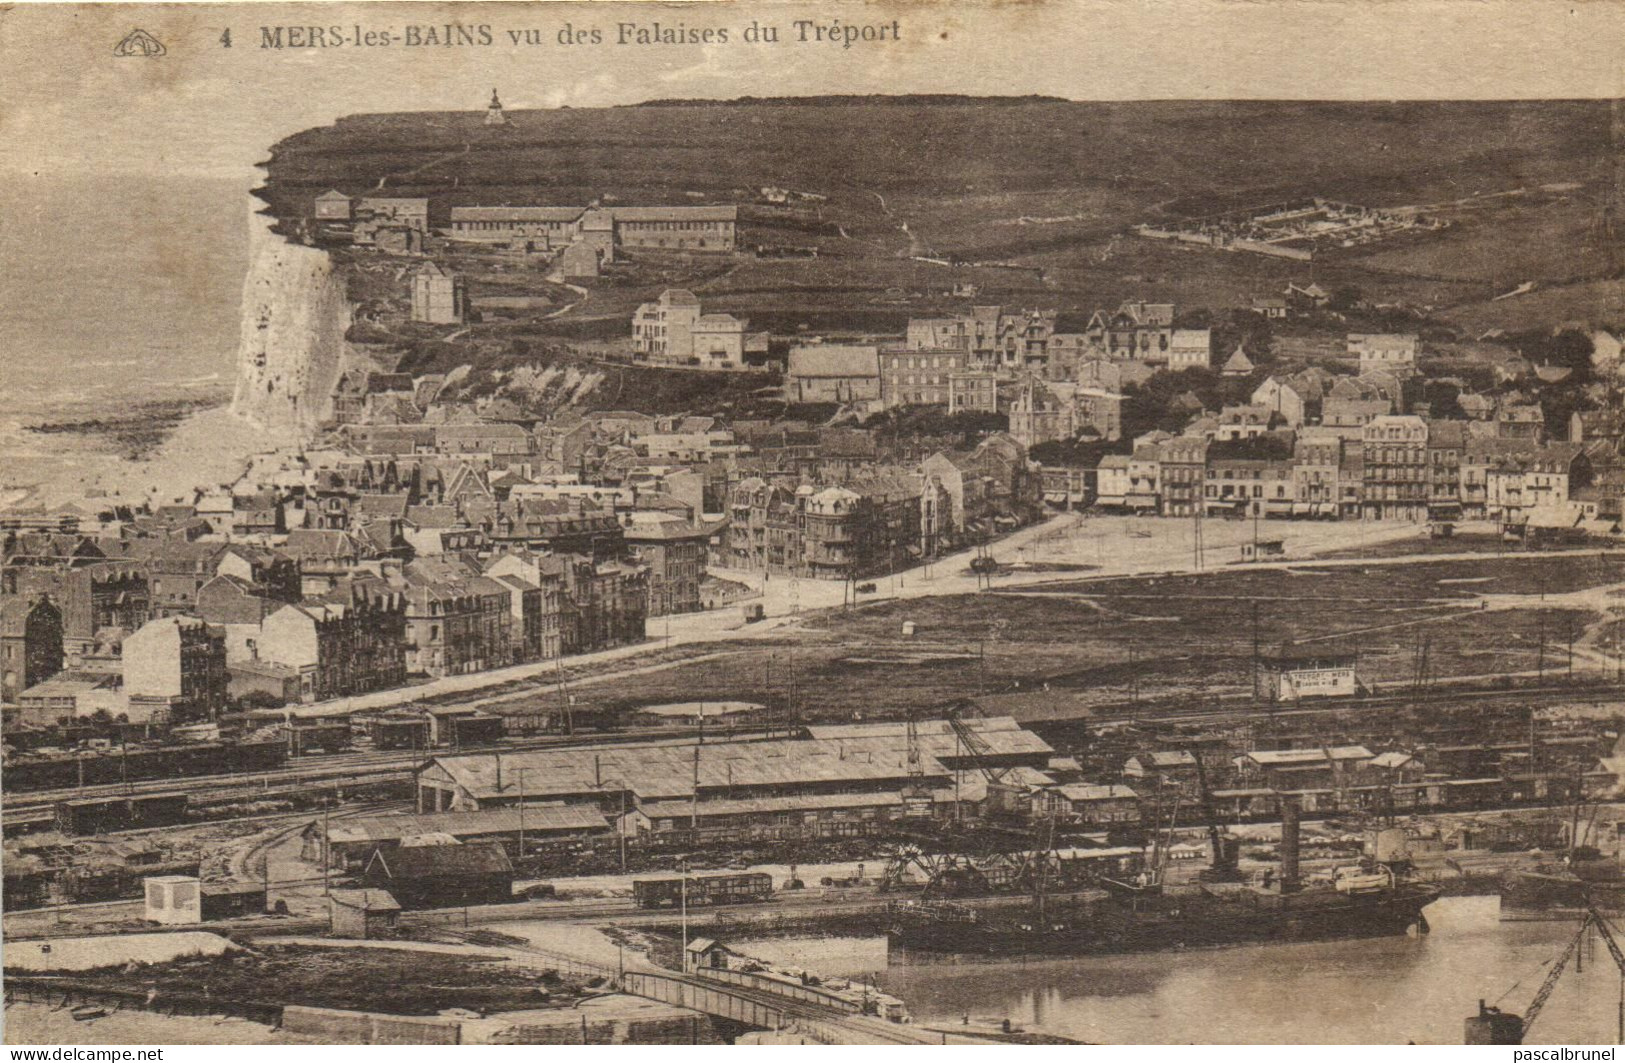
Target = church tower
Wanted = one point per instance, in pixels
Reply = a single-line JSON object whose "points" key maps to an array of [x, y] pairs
{"points": [[493, 113]]}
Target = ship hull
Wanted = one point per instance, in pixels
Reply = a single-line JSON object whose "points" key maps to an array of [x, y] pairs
{"points": [[1197, 922], [1543, 891]]}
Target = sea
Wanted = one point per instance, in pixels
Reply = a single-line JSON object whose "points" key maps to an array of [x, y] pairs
{"points": [[1395, 990], [118, 292]]}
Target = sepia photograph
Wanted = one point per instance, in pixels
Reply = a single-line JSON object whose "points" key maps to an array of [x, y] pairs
{"points": [[781, 523]]}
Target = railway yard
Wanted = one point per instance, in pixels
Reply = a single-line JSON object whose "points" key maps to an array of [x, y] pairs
{"points": [[1482, 703]]}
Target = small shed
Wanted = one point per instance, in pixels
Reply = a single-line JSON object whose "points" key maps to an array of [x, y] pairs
{"points": [[173, 900], [231, 900], [364, 914], [708, 952], [1262, 551], [443, 876]]}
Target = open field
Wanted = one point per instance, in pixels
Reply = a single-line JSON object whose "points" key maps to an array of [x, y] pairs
{"points": [[1504, 243], [399, 981], [1595, 302], [1110, 640]]}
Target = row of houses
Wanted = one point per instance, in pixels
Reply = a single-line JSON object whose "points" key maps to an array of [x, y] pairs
{"points": [[1398, 468]]}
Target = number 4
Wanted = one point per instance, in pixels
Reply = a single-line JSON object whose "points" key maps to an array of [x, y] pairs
{"points": [[225, 39]]}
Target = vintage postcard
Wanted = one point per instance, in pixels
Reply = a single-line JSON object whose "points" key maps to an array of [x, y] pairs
{"points": [[779, 523]]}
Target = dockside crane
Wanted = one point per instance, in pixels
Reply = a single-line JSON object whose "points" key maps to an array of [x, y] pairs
{"points": [[1225, 865], [1493, 1026]]}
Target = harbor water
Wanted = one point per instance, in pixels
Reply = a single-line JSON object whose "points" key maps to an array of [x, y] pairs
{"points": [[1373, 991]]}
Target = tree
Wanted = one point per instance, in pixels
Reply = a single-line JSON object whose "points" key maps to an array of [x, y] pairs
{"points": [[1345, 299]]}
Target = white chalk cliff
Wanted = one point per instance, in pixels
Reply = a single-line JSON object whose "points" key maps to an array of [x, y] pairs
{"points": [[292, 350]]}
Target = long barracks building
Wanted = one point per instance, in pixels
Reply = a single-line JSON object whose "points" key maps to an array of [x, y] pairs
{"points": [[682, 228], [859, 765]]}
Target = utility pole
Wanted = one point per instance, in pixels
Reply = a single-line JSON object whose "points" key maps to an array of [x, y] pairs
{"points": [[1540, 655], [1196, 523], [682, 869], [327, 852], [1255, 636], [521, 812]]}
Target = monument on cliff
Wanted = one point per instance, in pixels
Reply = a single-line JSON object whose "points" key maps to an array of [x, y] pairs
{"points": [[493, 113]]}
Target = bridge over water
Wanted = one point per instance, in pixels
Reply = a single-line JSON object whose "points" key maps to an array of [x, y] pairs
{"points": [[773, 1004]]}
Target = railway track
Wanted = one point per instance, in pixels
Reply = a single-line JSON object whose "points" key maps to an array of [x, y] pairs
{"points": [[335, 770], [1242, 708]]}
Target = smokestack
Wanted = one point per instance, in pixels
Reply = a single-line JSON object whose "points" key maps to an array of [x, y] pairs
{"points": [[1289, 843]]}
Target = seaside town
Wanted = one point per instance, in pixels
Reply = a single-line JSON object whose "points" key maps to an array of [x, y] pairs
{"points": [[588, 668]]}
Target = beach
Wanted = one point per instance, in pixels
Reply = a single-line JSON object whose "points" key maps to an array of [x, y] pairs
{"points": [[121, 325]]}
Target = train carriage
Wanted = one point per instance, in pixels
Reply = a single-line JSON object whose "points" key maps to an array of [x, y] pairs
{"points": [[703, 890]]}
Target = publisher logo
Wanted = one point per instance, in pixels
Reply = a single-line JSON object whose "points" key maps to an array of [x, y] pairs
{"points": [[139, 42]]}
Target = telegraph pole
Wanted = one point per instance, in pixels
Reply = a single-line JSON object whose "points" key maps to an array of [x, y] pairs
{"points": [[1255, 637], [682, 868]]}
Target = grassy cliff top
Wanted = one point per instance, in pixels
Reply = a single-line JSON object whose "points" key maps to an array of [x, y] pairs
{"points": [[1184, 157]]}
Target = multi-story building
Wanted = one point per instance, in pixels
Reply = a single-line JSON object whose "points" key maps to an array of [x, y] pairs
{"points": [[674, 552], [872, 524], [1447, 444], [527, 228], [439, 296], [1183, 468], [1395, 449], [1517, 480], [350, 641], [1136, 330], [1190, 348], [605, 603], [1248, 486], [1384, 352], [92, 598], [1130, 482], [708, 229], [561, 525], [679, 228], [673, 330], [457, 621], [540, 617], [1520, 421], [919, 376], [175, 670], [1353, 413], [30, 643], [1282, 399], [1243, 422], [995, 338], [1042, 412], [1317, 463], [973, 391]]}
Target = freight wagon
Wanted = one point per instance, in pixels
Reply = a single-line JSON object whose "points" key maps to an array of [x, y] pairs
{"points": [[703, 890], [133, 764], [100, 815]]}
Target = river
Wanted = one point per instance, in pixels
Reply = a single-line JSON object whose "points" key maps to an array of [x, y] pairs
{"points": [[1376, 991]]}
